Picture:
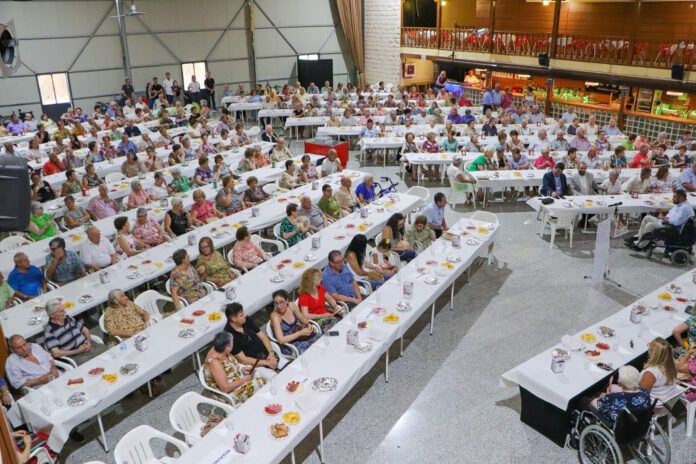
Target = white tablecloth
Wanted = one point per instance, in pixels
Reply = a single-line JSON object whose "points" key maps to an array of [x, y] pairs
{"points": [[336, 360], [15, 320], [598, 204], [166, 348], [535, 375], [534, 177], [308, 121]]}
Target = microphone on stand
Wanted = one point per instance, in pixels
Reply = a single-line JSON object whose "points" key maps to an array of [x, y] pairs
{"points": [[615, 204]]}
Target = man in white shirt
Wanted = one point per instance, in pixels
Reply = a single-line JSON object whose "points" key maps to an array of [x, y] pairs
{"points": [[129, 110], [663, 226], [640, 183], [457, 174], [331, 164], [421, 119], [168, 85], [97, 252], [568, 115], [611, 185], [158, 191], [536, 146]]}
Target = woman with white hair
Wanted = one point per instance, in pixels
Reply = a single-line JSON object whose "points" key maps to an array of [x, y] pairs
{"points": [[122, 317], [627, 394], [138, 197], [611, 185]]}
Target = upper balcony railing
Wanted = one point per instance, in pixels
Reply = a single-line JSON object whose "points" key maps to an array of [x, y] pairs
{"points": [[610, 50]]}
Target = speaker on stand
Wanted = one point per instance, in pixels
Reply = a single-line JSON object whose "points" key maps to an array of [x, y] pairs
{"points": [[14, 186], [543, 59], [678, 72]]}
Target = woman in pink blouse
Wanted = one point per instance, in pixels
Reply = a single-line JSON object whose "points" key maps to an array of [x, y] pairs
{"points": [[203, 210], [245, 253], [147, 229], [137, 197]]}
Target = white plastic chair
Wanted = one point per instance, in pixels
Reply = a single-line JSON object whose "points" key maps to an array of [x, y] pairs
{"points": [[485, 216], [209, 287], [278, 235], [560, 222], [13, 242], [112, 177], [270, 189], [421, 192], [259, 241], [690, 408], [253, 131], [134, 447], [102, 326], [42, 456], [186, 418], [201, 377], [295, 352], [148, 301]]}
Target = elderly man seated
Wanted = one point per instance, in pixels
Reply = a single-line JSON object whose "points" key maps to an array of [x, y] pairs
{"points": [[345, 196], [640, 183], [667, 226], [339, 282], [313, 217], [102, 206], [63, 266], [68, 337], [280, 152], [331, 164], [28, 365], [26, 279], [97, 252], [122, 317]]}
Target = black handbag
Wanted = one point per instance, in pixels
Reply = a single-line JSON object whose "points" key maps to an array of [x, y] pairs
{"points": [[547, 200]]}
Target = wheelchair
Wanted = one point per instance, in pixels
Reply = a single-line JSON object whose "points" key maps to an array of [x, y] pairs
{"points": [[598, 441], [678, 248]]}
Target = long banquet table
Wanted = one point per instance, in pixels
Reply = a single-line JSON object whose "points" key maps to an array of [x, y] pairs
{"points": [[16, 320], [339, 360], [74, 238], [166, 348], [548, 399]]}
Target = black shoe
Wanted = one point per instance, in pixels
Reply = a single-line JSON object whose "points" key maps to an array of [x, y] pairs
{"points": [[77, 437]]}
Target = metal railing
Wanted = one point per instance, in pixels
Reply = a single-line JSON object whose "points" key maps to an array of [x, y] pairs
{"points": [[606, 49]]}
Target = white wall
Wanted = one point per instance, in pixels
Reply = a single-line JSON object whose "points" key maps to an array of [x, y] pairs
{"points": [[52, 36], [382, 29]]}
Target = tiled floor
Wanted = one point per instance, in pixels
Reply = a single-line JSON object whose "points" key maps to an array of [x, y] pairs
{"points": [[444, 402]]}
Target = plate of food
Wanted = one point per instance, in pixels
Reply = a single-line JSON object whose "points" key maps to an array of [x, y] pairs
{"points": [[447, 265], [665, 296], [294, 387], [291, 418], [431, 262], [674, 288], [681, 299], [602, 346], [403, 306], [588, 337], [215, 316], [97, 371], [282, 200], [350, 226], [273, 409], [431, 281], [110, 378], [198, 313], [279, 431], [298, 265], [340, 237], [85, 298], [147, 261], [362, 325], [606, 332], [669, 309], [362, 227], [286, 261], [391, 318], [593, 354], [379, 310], [129, 369], [186, 321], [76, 238], [132, 267], [605, 366], [325, 384], [76, 382], [69, 304]]}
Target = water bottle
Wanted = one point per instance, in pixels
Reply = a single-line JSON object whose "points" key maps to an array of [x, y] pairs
{"points": [[408, 290], [316, 242], [255, 211], [230, 293]]}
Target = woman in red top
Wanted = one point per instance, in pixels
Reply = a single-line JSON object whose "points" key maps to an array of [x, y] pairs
{"points": [[313, 299], [203, 210]]}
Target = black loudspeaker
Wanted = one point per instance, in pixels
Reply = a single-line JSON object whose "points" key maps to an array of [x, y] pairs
{"points": [[678, 72], [15, 189], [543, 59], [317, 71]]}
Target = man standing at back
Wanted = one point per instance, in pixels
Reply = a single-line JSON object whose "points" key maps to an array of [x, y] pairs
{"points": [[168, 85]]}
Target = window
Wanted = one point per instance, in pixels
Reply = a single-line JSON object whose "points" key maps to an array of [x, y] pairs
{"points": [[312, 56], [54, 88], [193, 69]]}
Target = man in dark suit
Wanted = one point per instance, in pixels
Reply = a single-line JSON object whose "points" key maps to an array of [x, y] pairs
{"points": [[555, 183]]}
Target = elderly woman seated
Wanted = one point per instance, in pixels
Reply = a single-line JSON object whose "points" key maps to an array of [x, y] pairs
{"points": [[184, 281], [254, 194], [288, 180], [41, 225], [147, 230], [75, 216], [686, 368], [122, 317], [177, 221], [245, 253], [292, 227], [138, 196], [203, 210], [222, 371], [211, 265], [627, 393]]}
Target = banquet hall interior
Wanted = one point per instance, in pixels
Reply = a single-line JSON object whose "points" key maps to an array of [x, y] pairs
{"points": [[347, 231]]}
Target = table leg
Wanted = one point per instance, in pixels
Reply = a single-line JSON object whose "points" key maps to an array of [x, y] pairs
{"points": [[452, 296], [104, 444], [386, 366], [292, 456], [432, 318], [321, 442], [401, 346]]}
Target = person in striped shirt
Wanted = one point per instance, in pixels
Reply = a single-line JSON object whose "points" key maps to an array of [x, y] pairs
{"points": [[67, 336]]}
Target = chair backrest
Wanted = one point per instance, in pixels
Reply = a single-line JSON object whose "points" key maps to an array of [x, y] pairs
{"points": [[277, 234], [486, 216], [421, 192], [259, 241], [134, 447], [204, 384], [13, 242], [270, 189], [269, 331], [631, 426], [148, 301], [565, 221], [253, 131], [114, 177], [185, 415]]}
